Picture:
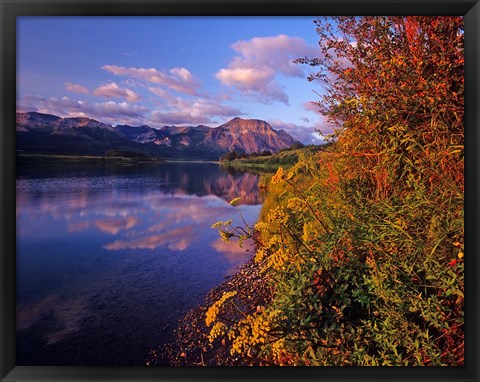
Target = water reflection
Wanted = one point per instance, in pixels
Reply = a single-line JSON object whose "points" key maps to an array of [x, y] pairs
{"points": [[109, 257], [177, 239], [67, 316], [114, 226], [198, 179]]}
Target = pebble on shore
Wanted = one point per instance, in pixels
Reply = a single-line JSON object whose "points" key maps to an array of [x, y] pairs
{"points": [[191, 346]]}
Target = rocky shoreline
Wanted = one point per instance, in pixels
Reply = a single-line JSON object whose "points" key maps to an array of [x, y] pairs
{"points": [[191, 346]]}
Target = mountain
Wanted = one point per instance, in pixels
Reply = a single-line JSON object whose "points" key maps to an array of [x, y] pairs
{"points": [[248, 136], [48, 134], [139, 134], [44, 133]]}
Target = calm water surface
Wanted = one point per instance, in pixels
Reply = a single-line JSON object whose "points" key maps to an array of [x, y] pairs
{"points": [[110, 257]]}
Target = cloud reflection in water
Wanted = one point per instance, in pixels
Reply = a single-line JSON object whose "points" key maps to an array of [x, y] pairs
{"points": [[114, 226], [119, 251], [174, 239]]}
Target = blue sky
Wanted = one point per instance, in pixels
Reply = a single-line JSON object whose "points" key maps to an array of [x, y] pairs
{"points": [[170, 70]]}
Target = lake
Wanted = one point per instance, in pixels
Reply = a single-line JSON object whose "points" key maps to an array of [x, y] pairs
{"points": [[109, 257]]}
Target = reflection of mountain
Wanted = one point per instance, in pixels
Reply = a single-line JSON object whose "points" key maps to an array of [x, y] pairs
{"points": [[49, 134], [199, 179], [243, 186], [209, 179]]}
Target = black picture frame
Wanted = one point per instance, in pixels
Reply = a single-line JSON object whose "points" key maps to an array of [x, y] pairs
{"points": [[11, 9]]}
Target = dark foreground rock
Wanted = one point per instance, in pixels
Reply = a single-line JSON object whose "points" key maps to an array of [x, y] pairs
{"points": [[191, 346]]}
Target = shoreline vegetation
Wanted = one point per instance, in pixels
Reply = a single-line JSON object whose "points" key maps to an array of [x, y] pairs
{"points": [[359, 247], [85, 158], [60, 158], [256, 163], [268, 161]]}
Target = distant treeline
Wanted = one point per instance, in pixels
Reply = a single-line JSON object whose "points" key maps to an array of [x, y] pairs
{"points": [[109, 156], [117, 154], [285, 157]]}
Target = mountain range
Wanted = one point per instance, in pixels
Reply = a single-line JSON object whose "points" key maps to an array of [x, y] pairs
{"points": [[49, 134]]}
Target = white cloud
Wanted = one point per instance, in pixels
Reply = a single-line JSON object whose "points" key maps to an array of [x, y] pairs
{"points": [[260, 59], [162, 93], [307, 134], [112, 90], [176, 110], [200, 110], [117, 109], [178, 79], [108, 112], [276, 52]]}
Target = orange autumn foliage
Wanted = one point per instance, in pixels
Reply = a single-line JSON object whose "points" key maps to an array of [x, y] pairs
{"points": [[363, 242]]}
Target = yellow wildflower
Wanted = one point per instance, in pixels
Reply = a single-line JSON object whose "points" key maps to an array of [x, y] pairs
{"points": [[213, 311], [219, 329], [235, 202], [279, 176]]}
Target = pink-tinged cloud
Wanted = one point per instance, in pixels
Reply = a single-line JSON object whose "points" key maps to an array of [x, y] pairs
{"points": [[75, 88], [178, 79], [245, 78], [260, 59], [112, 90]]}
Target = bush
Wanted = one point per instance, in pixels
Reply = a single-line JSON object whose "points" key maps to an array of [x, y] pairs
{"points": [[363, 242]]}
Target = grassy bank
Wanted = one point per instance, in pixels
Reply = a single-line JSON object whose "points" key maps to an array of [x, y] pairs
{"points": [[270, 163], [258, 168], [356, 279]]}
